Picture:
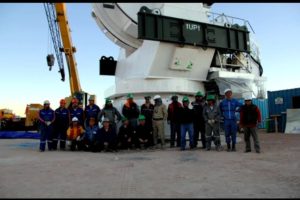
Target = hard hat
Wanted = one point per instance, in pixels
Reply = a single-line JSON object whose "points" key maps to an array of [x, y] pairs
{"points": [[185, 99], [75, 119], [210, 97], [62, 101], [46, 102], [74, 100], [91, 98], [129, 96], [124, 119], [156, 97], [227, 90], [107, 100], [248, 97], [199, 94], [141, 117], [105, 120], [174, 96]]}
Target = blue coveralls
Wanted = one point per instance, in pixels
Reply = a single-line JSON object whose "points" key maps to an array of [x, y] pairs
{"points": [[228, 108], [46, 131], [61, 126], [91, 112], [77, 112]]}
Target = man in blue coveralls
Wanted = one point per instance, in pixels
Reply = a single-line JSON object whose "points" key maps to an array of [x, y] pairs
{"points": [[91, 110], [61, 125], [46, 117], [76, 111], [228, 108]]}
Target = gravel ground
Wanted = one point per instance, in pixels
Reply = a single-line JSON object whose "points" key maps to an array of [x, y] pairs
{"points": [[169, 173]]}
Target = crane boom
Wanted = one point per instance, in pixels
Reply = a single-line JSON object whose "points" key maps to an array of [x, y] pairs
{"points": [[68, 47]]}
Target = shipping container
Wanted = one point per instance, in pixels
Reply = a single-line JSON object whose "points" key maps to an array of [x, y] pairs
{"points": [[262, 104], [279, 101]]}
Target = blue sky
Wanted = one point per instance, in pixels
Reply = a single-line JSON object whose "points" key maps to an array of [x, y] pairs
{"points": [[25, 43]]}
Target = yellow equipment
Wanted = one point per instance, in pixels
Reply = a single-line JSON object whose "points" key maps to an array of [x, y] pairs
{"points": [[58, 23], [32, 114]]}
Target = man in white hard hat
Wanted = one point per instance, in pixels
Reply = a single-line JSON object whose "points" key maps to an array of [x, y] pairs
{"points": [[228, 107], [46, 117], [74, 134], [160, 114], [250, 117]]}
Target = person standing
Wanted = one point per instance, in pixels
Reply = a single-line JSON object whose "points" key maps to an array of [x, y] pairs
{"points": [[228, 109], [211, 115], [147, 110], [76, 111], [160, 114], [46, 118], [91, 110], [131, 111], [187, 118], [61, 125], [110, 112], [199, 124], [174, 120], [250, 116]]}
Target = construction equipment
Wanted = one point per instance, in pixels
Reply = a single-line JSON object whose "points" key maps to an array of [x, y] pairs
{"points": [[62, 41], [32, 115], [9, 121]]}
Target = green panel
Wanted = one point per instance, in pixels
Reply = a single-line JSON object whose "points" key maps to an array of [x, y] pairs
{"points": [[193, 33], [174, 30]]}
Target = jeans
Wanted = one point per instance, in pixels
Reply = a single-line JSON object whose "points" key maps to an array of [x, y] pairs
{"points": [[230, 128], [190, 129], [175, 131]]}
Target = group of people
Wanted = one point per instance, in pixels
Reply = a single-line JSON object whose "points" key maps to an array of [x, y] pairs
{"points": [[144, 127]]}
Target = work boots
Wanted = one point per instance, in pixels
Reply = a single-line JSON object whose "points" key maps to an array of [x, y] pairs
{"points": [[233, 147], [228, 147]]}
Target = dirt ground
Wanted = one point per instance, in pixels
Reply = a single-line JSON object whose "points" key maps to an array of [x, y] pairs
{"points": [[169, 173]]}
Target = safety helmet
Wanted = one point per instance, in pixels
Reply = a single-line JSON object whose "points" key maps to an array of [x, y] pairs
{"points": [[74, 100], [210, 97], [141, 117], [185, 99], [227, 90], [129, 96], [107, 100], [75, 119], [105, 120], [156, 97], [199, 94], [62, 101], [46, 102], [248, 98], [147, 97], [91, 98]]}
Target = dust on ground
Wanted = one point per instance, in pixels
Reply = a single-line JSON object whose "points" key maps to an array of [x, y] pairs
{"points": [[169, 173]]}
